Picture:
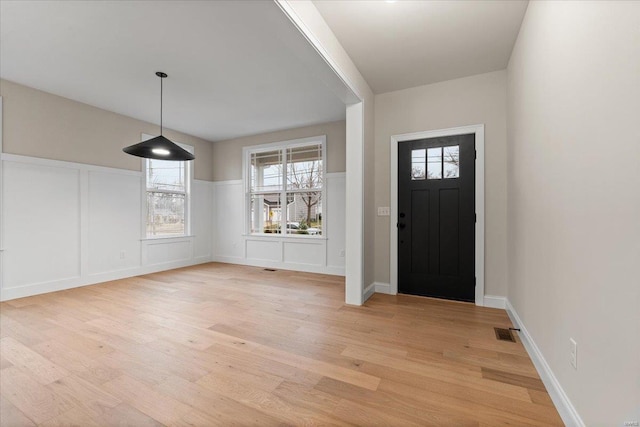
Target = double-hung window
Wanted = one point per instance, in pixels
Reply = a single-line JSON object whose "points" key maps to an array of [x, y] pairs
{"points": [[168, 188], [285, 187]]}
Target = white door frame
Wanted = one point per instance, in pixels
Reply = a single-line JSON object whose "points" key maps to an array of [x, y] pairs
{"points": [[478, 130]]}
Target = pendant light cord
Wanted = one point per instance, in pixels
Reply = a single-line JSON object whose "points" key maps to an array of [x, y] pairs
{"points": [[161, 105], [162, 77]]}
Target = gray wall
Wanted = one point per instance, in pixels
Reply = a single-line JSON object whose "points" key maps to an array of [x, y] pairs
{"points": [[227, 155], [471, 100], [39, 124], [574, 198]]}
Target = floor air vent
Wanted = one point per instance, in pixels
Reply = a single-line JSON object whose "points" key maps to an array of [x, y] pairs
{"points": [[504, 334]]}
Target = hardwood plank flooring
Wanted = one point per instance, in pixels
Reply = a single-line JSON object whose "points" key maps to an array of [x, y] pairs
{"points": [[220, 344]]}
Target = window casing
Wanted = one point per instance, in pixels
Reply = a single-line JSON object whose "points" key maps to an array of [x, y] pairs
{"points": [[285, 188], [167, 185]]}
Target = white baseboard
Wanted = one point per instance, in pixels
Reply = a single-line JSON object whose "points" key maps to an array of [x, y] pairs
{"points": [[228, 259], [370, 290], [201, 259], [307, 268], [494, 301], [560, 399], [93, 279], [383, 288]]}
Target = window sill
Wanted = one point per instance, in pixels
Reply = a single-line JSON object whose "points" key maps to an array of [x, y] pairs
{"points": [[188, 236], [277, 236]]}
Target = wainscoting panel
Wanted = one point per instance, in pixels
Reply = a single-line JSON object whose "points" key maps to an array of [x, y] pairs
{"points": [[41, 217], [167, 251], [68, 224], [336, 188], [264, 250], [114, 221], [202, 219], [305, 252], [228, 219]]}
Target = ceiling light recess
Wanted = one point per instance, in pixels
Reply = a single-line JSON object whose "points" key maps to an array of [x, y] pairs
{"points": [[159, 148]]}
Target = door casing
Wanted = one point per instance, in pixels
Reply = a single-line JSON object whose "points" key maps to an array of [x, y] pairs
{"points": [[478, 130]]}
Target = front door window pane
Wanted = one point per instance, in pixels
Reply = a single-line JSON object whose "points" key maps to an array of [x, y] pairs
{"points": [[434, 163], [451, 157], [418, 164]]}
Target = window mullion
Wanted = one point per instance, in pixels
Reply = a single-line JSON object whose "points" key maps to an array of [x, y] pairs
{"points": [[186, 213], [284, 208]]}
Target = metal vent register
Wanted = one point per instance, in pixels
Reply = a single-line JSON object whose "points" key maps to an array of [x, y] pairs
{"points": [[504, 334]]}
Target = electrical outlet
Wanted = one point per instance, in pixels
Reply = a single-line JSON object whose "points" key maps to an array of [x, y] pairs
{"points": [[573, 353], [122, 254], [341, 253], [384, 211]]}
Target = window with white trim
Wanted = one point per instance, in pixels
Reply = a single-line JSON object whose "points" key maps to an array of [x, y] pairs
{"points": [[285, 187], [168, 188]]}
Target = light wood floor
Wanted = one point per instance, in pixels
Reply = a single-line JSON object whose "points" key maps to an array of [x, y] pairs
{"points": [[219, 344]]}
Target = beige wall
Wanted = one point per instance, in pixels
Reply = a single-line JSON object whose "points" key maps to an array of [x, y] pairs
{"points": [[227, 155], [39, 124], [467, 101], [574, 198]]}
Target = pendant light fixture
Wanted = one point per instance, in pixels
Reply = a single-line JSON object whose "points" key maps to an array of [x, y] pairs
{"points": [[159, 148]]}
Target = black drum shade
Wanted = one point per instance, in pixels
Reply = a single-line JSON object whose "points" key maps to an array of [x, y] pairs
{"points": [[159, 148]]}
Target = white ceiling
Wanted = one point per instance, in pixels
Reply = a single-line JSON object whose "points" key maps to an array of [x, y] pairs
{"points": [[402, 44], [235, 67]]}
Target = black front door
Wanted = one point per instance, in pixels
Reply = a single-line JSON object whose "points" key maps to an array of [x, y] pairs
{"points": [[436, 217]]}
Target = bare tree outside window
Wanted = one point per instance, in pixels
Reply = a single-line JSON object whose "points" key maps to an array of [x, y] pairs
{"points": [[306, 175], [451, 161]]}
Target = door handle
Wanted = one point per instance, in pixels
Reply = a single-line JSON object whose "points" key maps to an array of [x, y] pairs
{"points": [[401, 225]]}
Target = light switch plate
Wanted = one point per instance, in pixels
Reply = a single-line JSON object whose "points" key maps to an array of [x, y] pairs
{"points": [[384, 211]]}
